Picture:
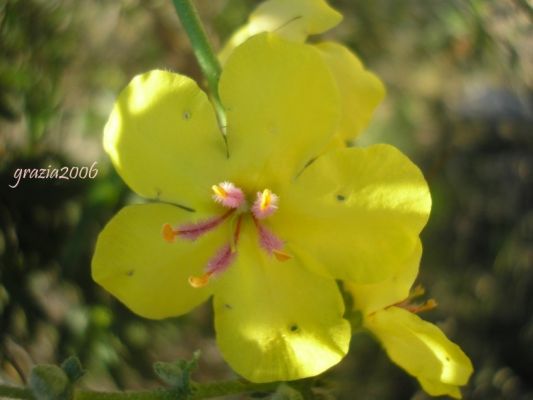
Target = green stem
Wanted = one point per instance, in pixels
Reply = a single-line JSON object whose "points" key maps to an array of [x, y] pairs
{"points": [[12, 392], [203, 51], [201, 391], [225, 388]]}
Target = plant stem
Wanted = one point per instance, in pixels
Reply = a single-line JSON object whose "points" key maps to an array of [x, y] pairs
{"points": [[214, 389], [203, 51], [12, 392], [201, 391]]}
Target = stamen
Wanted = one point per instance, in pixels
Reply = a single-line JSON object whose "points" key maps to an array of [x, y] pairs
{"points": [[265, 204], [227, 194], [271, 243], [222, 260], [418, 308], [195, 230], [427, 306], [216, 265], [236, 234]]}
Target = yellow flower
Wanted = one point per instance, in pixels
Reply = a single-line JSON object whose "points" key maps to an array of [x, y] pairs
{"points": [[417, 346], [264, 224], [293, 20], [360, 90]]}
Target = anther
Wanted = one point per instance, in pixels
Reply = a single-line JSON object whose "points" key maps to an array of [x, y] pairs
{"points": [[227, 194], [281, 255], [198, 282], [265, 204], [215, 266], [169, 234]]}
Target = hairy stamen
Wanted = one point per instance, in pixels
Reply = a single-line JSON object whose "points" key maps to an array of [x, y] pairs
{"points": [[265, 204], [195, 230], [229, 195], [271, 243], [220, 261]]}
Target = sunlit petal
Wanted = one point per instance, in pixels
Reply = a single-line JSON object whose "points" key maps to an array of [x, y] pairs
{"points": [[274, 319]]}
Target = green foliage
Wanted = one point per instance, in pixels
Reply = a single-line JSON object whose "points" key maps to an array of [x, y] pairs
{"points": [[36, 43], [178, 373], [73, 369], [49, 382]]}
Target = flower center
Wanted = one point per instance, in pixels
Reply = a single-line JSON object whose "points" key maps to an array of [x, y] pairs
{"points": [[234, 200]]}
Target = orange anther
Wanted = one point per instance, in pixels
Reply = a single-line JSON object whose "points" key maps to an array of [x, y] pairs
{"points": [[281, 255], [169, 234], [199, 281]]}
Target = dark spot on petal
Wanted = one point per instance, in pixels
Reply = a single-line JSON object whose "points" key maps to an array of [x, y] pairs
{"points": [[228, 306], [447, 358], [340, 197], [294, 328], [273, 129], [130, 272], [187, 115]]}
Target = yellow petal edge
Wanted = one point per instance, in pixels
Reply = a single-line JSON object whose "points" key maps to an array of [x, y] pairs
{"points": [[421, 349]]}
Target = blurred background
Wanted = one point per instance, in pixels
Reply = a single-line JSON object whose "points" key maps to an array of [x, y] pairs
{"points": [[459, 75]]}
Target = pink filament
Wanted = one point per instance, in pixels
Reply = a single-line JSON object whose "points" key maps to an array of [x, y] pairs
{"points": [[195, 230], [221, 260], [268, 240]]}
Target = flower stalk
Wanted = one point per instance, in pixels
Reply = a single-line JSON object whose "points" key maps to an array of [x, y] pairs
{"points": [[203, 52]]}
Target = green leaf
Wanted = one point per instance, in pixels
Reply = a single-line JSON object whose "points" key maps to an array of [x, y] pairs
{"points": [[49, 382], [177, 374], [73, 369]]}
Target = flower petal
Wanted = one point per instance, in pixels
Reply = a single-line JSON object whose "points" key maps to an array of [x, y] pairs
{"points": [[294, 20], [282, 108], [163, 139], [150, 276], [361, 91], [276, 320], [371, 297], [422, 350], [355, 213]]}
